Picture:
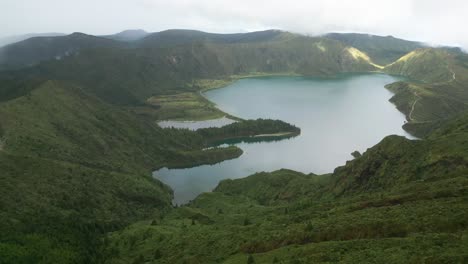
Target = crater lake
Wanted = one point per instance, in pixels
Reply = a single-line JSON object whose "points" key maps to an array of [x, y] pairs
{"points": [[336, 115]]}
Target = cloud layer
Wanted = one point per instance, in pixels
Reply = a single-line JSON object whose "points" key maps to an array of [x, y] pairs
{"points": [[433, 21]]}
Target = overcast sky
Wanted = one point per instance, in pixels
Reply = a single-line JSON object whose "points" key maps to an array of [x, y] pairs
{"points": [[433, 21]]}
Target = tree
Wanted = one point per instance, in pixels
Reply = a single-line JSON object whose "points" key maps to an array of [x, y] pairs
{"points": [[250, 260], [356, 154]]}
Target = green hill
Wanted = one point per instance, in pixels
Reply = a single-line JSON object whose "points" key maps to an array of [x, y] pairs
{"points": [[436, 90], [176, 37], [128, 35], [427, 65], [34, 50], [17, 38], [68, 175], [382, 50]]}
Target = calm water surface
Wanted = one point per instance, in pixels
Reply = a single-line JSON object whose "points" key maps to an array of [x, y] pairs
{"points": [[336, 117], [194, 125]]}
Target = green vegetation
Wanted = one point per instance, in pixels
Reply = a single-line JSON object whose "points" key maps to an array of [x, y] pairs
{"points": [[437, 65], [439, 92], [36, 49], [183, 106], [78, 140], [57, 212], [249, 128]]}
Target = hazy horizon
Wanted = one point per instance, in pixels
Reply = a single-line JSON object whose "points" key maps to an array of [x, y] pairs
{"points": [[418, 20]]}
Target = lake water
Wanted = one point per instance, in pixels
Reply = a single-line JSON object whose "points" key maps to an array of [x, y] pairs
{"points": [[194, 125], [336, 117]]}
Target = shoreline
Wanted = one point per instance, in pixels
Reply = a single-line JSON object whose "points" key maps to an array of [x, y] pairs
{"points": [[279, 134], [212, 84]]}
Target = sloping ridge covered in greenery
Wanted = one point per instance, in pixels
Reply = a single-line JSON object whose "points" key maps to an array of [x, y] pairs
{"points": [[437, 88], [382, 49]]}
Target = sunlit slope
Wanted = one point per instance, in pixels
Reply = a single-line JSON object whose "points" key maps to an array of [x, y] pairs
{"points": [[382, 50], [428, 65], [437, 89]]}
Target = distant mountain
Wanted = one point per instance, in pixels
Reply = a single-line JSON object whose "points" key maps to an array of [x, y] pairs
{"points": [[128, 35], [17, 38], [34, 50], [427, 64], [383, 50], [376, 50], [183, 36]]}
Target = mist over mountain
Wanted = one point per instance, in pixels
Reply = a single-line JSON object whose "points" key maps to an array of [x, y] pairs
{"points": [[128, 35], [13, 39]]}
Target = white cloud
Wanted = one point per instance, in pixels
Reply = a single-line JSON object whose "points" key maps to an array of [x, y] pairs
{"points": [[433, 21]]}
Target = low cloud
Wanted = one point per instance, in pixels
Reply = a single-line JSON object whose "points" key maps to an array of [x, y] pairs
{"points": [[433, 21]]}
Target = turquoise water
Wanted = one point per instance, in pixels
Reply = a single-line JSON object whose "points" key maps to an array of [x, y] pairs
{"points": [[336, 117]]}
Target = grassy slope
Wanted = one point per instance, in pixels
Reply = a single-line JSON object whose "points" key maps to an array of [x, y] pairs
{"points": [[382, 50], [401, 201], [440, 90], [181, 106]]}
